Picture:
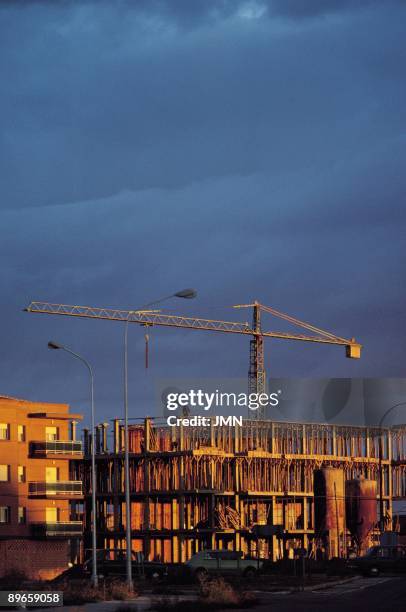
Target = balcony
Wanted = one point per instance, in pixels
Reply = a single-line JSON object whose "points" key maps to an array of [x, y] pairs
{"points": [[56, 448], [62, 489], [59, 529]]}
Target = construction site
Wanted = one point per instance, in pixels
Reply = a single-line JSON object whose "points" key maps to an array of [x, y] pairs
{"points": [[269, 489], [265, 488]]}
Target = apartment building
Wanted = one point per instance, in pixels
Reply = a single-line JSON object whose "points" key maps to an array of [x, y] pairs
{"points": [[40, 518]]}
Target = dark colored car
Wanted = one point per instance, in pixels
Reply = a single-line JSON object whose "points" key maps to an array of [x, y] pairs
{"points": [[380, 559], [112, 562], [223, 562]]}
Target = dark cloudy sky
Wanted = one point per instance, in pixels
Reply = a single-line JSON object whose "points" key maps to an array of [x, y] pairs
{"points": [[253, 150]]}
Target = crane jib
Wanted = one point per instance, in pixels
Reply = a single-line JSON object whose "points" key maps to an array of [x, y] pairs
{"points": [[165, 320]]}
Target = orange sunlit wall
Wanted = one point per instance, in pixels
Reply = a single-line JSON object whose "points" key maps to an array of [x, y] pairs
{"points": [[36, 446]]}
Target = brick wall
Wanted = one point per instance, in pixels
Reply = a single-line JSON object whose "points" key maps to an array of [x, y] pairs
{"points": [[41, 560]]}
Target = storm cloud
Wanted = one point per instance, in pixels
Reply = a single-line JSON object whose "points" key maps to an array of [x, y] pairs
{"points": [[253, 150]]}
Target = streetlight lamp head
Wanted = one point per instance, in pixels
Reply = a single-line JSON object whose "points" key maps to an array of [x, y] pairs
{"points": [[187, 294], [54, 345]]}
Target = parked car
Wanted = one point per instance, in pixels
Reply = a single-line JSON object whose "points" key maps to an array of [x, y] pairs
{"points": [[112, 562], [222, 562], [380, 559]]}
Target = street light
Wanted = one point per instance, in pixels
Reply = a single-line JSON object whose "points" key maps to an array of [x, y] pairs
{"points": [[187, 294], [56, 346], [385, 414]]}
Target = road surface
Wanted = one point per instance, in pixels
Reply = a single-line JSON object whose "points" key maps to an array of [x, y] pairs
{"points": [[373, 594], [383, 594]]}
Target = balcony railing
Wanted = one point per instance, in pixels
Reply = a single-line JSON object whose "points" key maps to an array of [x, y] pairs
{"points": [[60, 488], [43, 448], [59, 529]]}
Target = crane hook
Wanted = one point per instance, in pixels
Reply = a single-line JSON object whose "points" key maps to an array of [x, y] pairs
{"points": [[146, 350]]}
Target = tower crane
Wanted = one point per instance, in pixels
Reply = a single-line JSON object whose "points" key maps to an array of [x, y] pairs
{"points": [[256, 374]]}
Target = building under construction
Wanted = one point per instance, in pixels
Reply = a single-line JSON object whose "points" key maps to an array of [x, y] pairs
{"points": [[265, 487]]}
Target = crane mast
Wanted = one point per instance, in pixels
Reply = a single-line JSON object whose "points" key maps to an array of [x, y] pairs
{"points": [[256, 373]]}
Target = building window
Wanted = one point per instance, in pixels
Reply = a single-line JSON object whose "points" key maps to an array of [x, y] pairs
{"points": [[5, 514], [51, 474], [51, 434], [4, 431], [21, 473], [4, 473], [52, 515], [22, 515], [21, 433]]}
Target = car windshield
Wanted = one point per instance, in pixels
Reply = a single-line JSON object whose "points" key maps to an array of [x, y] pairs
{"points": [[210, 554], [112, 554]]}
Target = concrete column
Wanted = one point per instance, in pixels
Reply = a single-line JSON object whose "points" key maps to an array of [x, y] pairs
{"points": [[237, 540], [116, 435], [305, 522], [146, 490], [175, 549], [122, 435], [104, 427], [98, 438], [304, 441], [237, 439], [116, 502], [147, 434], [174, 526], [334, 433], [181, 439], [236, 472], [390, 483], [73, 425], [181, 508]]}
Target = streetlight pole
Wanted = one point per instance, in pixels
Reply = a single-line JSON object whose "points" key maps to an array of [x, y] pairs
{"points": [[56, 346], [128, 544], [381, 509], [185, 294]]}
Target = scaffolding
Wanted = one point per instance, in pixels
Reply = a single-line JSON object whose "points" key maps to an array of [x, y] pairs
{"points": [[208, 487]]}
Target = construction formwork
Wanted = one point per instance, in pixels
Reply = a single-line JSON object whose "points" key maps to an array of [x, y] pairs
{"points": [[208, 487]]}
